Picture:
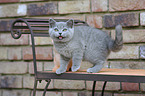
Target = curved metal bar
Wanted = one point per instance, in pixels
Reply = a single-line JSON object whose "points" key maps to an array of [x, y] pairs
{"points": [[32, 39], [93, 90], [48, 82], [18, 33], [76, 22], [35, 86], [102, 94]]}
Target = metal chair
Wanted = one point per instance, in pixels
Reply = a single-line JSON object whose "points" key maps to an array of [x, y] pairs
{"points": [[29, 26]]}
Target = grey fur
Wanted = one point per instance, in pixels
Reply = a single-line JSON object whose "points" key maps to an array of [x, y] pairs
{"points": [[83, 42]]}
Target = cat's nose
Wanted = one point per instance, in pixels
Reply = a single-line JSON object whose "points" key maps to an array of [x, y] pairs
{"points": [[60, 33]]}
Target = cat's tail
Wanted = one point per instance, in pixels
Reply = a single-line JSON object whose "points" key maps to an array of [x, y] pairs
{"points": [[117, 44]]}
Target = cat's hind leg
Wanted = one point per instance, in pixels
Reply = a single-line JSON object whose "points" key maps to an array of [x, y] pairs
{"points": [[63, 65], [97, 67]]}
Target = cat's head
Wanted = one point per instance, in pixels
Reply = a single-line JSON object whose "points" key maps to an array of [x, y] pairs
{"points": [[61, 31]]}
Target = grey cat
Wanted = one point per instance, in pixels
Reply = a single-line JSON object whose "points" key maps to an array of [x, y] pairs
{"points": [[82, 43]]}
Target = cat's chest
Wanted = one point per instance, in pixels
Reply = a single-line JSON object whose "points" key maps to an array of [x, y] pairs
{"points": [[65, 51]]}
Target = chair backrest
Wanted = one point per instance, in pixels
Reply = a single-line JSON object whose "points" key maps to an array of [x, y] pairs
{"points": [[37, 28]]}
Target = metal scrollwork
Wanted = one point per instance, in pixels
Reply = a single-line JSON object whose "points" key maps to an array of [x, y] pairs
{"points": [[16, 34], [16, 29]]}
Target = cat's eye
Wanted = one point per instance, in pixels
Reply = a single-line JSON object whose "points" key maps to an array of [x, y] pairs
{"points": [[64, 30], [56, 29]]}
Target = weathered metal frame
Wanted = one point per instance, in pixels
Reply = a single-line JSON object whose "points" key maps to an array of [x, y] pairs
{"points": [[32, 25], [28, 26]]}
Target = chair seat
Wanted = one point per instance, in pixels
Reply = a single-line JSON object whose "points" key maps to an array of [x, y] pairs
{"points": [[117, 75]]}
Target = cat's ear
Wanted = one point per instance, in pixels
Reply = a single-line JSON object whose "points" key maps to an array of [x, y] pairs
{"points": [[51, 23], [70, 23]]}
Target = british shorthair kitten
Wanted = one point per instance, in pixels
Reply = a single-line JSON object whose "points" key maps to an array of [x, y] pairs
{"points": [[82, 43]]}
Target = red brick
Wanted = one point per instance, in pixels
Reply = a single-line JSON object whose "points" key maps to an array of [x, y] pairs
{"points": [[122, 5], [6, 39], [83, 93], [28, 82], [130, 86], [13, 10], [48, 65], [42, 8], [8, 1], [127, 52], [142, 86], [5, 25], [14, 53], [49, 93], [99, 5], [41, 41], [15, 92], [131, 36], [27, 53], [69, 84], [95, 21], [87, 93], [11, 82], [75, 6], [125, 19], [99, 85], [70, 93], [31, 67], [142, 18], [13, 67], [42, 53], [3, 53], [76, 17], [127, 65], [142, 52]]}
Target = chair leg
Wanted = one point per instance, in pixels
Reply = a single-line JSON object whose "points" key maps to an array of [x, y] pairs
{"points": [[35, 86], [102, 94], [93, 90], [48, 82]]}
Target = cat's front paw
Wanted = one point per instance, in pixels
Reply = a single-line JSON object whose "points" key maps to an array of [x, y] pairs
{"points": [[75, 68], [92, 70], [60, 71]]}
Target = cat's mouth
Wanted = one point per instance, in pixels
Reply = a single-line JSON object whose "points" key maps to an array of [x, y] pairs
{"points": [[60, 37]]}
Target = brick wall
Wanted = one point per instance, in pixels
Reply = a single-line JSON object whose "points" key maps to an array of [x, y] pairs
{"points": [[16, 70]]}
